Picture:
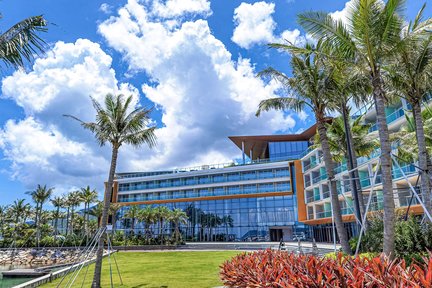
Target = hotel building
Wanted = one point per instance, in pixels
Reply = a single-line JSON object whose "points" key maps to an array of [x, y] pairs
{"points": [[277, 191]]}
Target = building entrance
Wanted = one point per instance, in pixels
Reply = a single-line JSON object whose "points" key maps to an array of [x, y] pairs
{"points": [[276, 234]]}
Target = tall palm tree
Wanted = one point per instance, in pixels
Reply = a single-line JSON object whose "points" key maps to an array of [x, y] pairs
{"points": [[132, 214], [3, 217], [74, 200], [312, 85], [88, 196], [19, 211], [114, 208], [161, 214], [22, 42], [410, 74], [177, 216], [40, 196], [370, 38], [58, 203], [117, 126], [228, 221], [147, 215], [97, 211]]}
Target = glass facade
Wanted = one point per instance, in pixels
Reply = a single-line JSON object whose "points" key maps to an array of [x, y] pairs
{"points": [[240, 219], [287, 150]]}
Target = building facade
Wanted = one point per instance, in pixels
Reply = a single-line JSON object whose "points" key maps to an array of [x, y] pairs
{"points": [[278, 190]]}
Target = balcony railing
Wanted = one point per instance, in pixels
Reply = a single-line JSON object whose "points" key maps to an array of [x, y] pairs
{"points": [[389, 118]]}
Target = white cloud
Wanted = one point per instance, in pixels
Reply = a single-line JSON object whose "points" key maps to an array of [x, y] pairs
{"points": [[204, 96], [105, 8], [302, 115], [174, 8], [254, 24], [45, 147]]}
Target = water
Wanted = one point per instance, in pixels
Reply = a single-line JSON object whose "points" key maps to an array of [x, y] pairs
{"points": [[10, 282]]}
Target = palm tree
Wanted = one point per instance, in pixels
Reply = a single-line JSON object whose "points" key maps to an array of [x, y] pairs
{"points": [[410, 74], [408, 148], [97, 211], [21, 42], [3, 217], [132, 215], [115, 125], [74, 200], [58, 203], [228, 221], [147, 215], [40, 196], [370, 38], [312, 85], [177, 216], [88, 196], [114, 208], [19, 211], [161, 214]]}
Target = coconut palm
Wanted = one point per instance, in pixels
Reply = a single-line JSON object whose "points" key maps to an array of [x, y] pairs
{"points": [[114, 208], [177, 216], [161, 214], [58, 203], [22, 42], [147, 215], [88, 196], [74, 199], [97, 211], [312, 85], [116, 125], [19, 211], [131, 214], [370, 38], [228, 221], [410, 74], [40, 196]]}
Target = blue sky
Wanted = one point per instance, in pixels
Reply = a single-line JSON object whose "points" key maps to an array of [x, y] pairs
{"points": [[195, 60]]}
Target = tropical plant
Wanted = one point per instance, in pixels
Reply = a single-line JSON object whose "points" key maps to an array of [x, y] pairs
{"points": [[406, 136], [177, 216], [22, 42], [132, 214], [19, 211], [97, 211], [114, 208], [311, 85], [410, 75], [116, 125], [40, 196], [74, 199], [228, 221], [370, 38], [161, 213], [88, 196], [147, 215], [58, 203], [271, 268]]}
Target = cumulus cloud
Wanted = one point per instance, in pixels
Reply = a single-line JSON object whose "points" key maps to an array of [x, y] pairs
{"points": [[45, 147], [254, 24], [105, 8], [174, 8], [203, 95]]}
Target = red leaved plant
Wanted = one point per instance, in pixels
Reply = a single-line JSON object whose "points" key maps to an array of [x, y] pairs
{"points": [[279, 269]]}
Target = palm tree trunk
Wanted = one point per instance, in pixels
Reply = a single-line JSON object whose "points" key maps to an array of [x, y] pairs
{"points": [[56, 221], [67, 220], [354, 181], [386, 165], [107, 200], [423, 156], [329, 166]]}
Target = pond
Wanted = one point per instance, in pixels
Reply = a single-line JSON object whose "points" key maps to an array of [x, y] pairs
{"points": [[12, 281]]}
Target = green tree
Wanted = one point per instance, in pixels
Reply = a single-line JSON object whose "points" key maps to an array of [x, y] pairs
{"points": [[116, 125], [40, 196], [410, 74], [311, 85], [228, 221], [19, 211], [114, 208], [97, 211], [367, 42], [177, 216], [131, 214], [58, 203], [74, 200], [88, 196], [161, 214], [147, 215]]}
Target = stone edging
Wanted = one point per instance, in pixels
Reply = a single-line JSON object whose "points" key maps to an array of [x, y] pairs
{"points": [[52, 276]]}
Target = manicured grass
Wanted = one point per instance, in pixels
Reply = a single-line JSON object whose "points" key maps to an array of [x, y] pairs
{"points": [[159, 269]]}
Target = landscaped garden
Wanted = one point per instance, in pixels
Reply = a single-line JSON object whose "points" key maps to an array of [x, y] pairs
{"points": [[160, 269]]}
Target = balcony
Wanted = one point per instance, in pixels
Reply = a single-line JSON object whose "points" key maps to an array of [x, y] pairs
{"points": [[389, 118]]}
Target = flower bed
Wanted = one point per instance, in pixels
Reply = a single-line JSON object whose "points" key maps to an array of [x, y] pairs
{"points": [[280, 269]]}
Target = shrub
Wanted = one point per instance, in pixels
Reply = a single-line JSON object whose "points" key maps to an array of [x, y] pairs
{"points": [[281, 269]]}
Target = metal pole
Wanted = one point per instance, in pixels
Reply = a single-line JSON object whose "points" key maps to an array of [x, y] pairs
{"points": [[351, 164]]}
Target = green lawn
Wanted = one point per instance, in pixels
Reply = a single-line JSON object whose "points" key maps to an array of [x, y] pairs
{"points": [[160, 269]]}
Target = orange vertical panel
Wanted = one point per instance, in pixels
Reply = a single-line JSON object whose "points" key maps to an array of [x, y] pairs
{"points": [[301, 206]]}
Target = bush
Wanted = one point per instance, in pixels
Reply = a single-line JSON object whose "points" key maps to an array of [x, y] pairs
{"points": [[281, 269]]}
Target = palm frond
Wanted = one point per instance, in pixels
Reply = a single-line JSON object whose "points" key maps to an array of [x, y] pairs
{"points": [[21, 42], [281, 103]]}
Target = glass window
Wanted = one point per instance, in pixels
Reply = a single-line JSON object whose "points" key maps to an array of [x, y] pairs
{"points": [[233, 176], [283, 172], [219, 191], [249, 175], [268, 187], [265, 174], [203, 180], [190, 181], [218, 178], [234, 189]]}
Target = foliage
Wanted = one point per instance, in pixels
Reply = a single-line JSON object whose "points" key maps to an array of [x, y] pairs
{"points": [[281, 269]]}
